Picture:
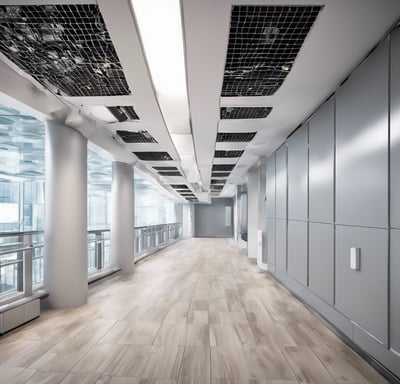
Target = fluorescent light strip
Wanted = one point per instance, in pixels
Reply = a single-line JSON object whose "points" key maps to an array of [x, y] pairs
{"points": [[160, 27]]}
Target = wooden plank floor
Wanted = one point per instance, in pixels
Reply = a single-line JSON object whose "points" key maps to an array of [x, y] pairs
{"points": [[196, 312]]}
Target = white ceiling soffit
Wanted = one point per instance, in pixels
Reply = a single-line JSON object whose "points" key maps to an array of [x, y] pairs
{"points": [[343, 33]]}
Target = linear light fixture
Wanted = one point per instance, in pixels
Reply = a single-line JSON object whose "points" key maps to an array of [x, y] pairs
{"points": [[160, 26]]}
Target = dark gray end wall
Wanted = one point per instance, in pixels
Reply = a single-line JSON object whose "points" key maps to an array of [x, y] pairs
{"points": [[333, 185], [215, 219]]}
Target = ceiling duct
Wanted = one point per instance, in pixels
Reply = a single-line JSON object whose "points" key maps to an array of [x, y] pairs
{"points": [[153, 156], [264, 41], [234, 113], [170, 173], [125, 113], [228, 154], [223, 167], [66, 48], [220, 174], [136, 137]]}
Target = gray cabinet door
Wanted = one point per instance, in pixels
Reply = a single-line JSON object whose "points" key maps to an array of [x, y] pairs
{"points": [[363, 295], [321, 260], [395, 130], [297, 251], [362, 144], [280, 244], [321, 139], [298, 174], [271, 241], [395, 290], [271, 187], [281, 183]]}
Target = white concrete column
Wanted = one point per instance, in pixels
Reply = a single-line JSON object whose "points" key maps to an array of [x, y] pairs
{"points": [[65, 256], [122, 217], [252, 212]]}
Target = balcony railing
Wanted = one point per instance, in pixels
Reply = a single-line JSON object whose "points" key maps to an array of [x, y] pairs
{"points": [[21, 254], [152, 237]]}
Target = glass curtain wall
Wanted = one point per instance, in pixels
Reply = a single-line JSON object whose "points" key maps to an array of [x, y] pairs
{"points": [[99, 206], [151, 206], [21, 196]]}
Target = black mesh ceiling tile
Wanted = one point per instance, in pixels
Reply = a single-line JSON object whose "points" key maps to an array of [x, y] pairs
{"points": [[217, 187], [153, 156], [264, 41], [170, 173], [165, 168], [179, 186], [225, 154], [218, 181], [124, 113], [234, 113], [220, 174], [223, 167], [66, 48], [136, 137], [240, 137]]}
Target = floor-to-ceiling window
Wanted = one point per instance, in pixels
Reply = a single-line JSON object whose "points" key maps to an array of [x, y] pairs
{"points": [[99, 205], [21, 197]]}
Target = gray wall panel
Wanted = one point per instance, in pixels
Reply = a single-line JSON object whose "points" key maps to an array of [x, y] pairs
{"points": [[395, 130], [271, 186], [321, 163], [297, 251], [395, 289], [362, 144], [271, 241], [209, 219], [280, 244], [321, 260], [363, 295], [297, 174], [281, 183]]}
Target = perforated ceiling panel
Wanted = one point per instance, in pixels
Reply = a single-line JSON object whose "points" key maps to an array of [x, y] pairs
{"points": [[165, 168], [153, 156], [220, 174], [170, 173], [136, 137], [223, 167], [179, 186], [124, 113], [226, 154], [244, 112], [66, 48], [217, 181], [240, 137], [263, 44]]}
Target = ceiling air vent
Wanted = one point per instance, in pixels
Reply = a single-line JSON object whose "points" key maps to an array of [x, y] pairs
{"points": [[153, 156], [244, 112], [66, 48], [165, 168], [136, 137], [123, 113], [217, 187], [240, 137], [264, 41], [170, 173], [223, 167], [225, 154], [179, 186], [220, 174], [218, 181]]}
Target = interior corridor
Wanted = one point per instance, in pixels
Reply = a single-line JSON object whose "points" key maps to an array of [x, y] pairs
{"points": [[196, 312]]}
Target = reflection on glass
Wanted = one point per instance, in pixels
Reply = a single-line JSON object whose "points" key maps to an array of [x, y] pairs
{"points": [[151, 206]]}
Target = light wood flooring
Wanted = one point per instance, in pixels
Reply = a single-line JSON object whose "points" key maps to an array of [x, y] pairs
{"points": [[196, 312]]}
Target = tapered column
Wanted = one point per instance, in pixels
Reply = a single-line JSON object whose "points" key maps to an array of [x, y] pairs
{"points": [[65, 266], [122, 217]]}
